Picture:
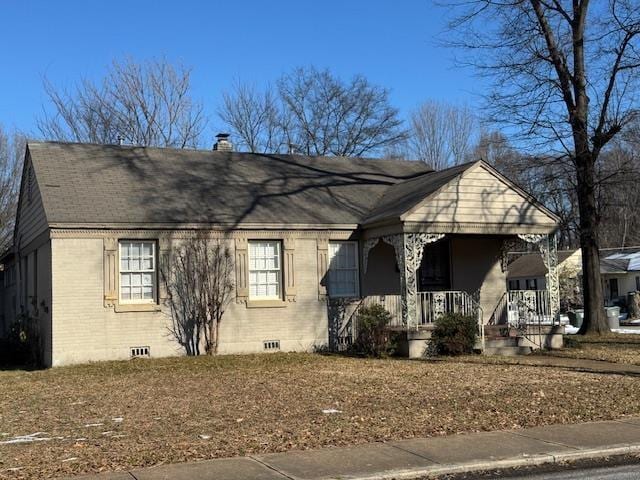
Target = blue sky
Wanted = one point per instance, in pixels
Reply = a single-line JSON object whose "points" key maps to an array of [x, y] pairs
{"points": [[392, 43]]}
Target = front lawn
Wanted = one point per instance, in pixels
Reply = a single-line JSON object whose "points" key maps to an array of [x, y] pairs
{"points": [[618, 348], [120, 415]]}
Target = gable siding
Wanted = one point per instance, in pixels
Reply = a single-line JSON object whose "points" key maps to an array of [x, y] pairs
{"points": [[478, 196], [31, 216]]}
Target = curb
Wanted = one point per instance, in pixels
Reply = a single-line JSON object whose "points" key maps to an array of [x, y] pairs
{"points": [[529, 461]]}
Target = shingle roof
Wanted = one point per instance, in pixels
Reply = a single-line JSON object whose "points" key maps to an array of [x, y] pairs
{"points": [[400, 197], [108, 184]]}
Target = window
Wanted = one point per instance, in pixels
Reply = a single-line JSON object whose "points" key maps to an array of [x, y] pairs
{"points": [[265, 273], [514, 284], [532, 283], [637, 284], [343, 269], [613, 288], [137, 272]]}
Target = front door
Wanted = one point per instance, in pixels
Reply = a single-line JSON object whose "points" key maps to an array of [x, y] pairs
{"points": [[434, 273]]}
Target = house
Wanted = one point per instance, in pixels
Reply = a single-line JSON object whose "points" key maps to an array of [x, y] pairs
{"points": [[313, 238], [620, 269], [528, 271]]}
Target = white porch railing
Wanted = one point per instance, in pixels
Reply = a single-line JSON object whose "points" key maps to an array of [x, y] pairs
{"points": [[522, 307], [432, 305]]}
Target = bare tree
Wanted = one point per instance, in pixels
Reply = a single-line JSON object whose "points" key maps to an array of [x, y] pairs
{"points": [[441, 134], [12, 147], [147, 104], [565, 76], [199, 283], [314, 112], [255, 117]]}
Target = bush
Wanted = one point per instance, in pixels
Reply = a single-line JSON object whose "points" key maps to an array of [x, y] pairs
{"points": [[454, 334], [22, 346], [373, 337]]}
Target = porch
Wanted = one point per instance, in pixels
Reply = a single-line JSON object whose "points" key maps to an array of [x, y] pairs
{"points": [[418, 278]]}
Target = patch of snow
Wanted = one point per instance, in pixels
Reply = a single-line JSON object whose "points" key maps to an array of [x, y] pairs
{"points": [[570, 329], [93, 425], [117, 419], [71, 459], [118, 436], [626, 331], [79, 402], [205, 437], [81, 439], [330, 411], [34, 437], [108, 432]]}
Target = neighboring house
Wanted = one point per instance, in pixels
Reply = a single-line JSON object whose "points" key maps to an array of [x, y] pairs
{"points": [[311, 238], [620, 271], [528, 271]]}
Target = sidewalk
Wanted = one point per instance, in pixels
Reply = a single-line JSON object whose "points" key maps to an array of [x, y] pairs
{"points": [[407, 459]]}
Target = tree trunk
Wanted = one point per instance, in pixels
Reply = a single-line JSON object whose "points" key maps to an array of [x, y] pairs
{"points": [[594, 318]]}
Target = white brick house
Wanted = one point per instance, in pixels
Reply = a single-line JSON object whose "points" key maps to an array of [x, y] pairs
{"points": [[96, 221]]}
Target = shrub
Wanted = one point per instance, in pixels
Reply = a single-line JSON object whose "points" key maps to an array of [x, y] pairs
{"points": [[454, 334], [23, 344], [373, 337]]}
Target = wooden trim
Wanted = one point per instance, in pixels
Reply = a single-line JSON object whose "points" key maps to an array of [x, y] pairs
{"points": [[242, 269], [289, 271], [266, 304], [322, 246]]}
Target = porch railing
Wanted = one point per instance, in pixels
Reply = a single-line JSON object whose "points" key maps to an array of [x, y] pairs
{"points": [[430, 306], [522, 307]]}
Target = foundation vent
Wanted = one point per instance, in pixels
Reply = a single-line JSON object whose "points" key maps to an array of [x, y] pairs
{"points": [[271, 345], [140, 352]]}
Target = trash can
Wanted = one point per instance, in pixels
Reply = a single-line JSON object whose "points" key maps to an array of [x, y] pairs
{"points": [[576, 317], [613, 316]]}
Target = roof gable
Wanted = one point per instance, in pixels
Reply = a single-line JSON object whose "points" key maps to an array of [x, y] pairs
{"points": [[480, 195]]}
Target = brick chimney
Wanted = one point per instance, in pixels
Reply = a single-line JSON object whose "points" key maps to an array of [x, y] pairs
{"points": [[222, 143]]}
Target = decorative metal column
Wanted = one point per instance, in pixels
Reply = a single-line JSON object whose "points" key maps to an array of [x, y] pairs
{"points": [[548, 247], [409, 249]]}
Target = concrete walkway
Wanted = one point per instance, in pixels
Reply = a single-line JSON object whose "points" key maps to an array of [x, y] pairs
{"points": [[406, 459]]}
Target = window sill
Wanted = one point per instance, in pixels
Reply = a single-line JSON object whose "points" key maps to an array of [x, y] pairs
{"points": [[137, 307], [266, 304]]}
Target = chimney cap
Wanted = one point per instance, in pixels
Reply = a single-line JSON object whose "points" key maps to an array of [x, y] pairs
{"points": [[223, 144], [223, 136]]}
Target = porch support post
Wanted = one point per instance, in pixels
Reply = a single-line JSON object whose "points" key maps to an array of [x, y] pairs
{"points": [[548, 247], [409, 249]]}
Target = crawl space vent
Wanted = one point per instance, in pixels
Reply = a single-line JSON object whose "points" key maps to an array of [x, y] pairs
{"points": [[140, 352], [272, 344]]}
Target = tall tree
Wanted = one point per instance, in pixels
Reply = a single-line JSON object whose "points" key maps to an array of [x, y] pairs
{"points": [[565, 76], [147, 104], [441, 134], [315, 113], [12, 146]]}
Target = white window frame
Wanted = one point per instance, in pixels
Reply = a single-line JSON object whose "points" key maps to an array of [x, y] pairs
{"points": [[153, 271], [331, 254], [278, 245]]}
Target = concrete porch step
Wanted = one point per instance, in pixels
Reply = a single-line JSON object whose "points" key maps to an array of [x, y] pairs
{"points": [[507, 351], [501, 342]]}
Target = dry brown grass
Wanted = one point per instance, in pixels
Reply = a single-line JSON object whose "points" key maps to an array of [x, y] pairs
{"points": [[271, 403], [618, 348]]}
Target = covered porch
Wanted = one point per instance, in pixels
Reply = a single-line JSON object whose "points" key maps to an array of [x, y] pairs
{"points": [[442, 248]]}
